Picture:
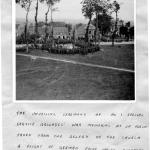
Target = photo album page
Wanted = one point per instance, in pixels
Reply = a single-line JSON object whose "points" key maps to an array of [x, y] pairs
{"points": [[74, 74]]}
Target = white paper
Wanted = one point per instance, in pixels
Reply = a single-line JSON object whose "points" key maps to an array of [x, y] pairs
{"points": [[118, 125]]}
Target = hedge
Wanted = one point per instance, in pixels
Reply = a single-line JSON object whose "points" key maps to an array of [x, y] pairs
{"points": [[79, 50]]}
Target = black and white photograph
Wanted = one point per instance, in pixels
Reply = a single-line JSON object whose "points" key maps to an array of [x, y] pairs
{"points": [[75, 50], [74, 74]]}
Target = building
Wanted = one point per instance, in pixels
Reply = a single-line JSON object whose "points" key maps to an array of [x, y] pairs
{"points": [[80, 31], [59, 30]]}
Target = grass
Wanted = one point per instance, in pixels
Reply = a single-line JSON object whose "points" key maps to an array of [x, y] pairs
{"points": [[118, 56], [51, 80]]}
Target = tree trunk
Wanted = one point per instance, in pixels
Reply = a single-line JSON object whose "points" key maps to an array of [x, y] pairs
{"points": [[114, 33], [26, 28], [46, 20], [27, 46], [87, 31], [52, 32], [96, 29], [52, 21], [36, 15], [74, 38], [116, 21], [113, 39]]}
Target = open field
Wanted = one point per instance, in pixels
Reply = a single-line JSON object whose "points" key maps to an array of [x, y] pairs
{"points": [[121, 56], [38, 79]]}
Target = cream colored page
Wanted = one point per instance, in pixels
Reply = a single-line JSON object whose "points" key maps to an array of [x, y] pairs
{"points": [[83, 126]]}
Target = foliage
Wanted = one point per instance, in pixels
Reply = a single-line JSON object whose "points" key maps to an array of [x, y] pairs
{"points": [[131, 32], [87, 8], [104, 23], [83, 44], [128, 24], [115, 6], [105, 39], [20, 39], [24, 4], [17, 1], [79, 24], [101, 7], [63, 41], [50, 4], [91, 7], [127, 32], [69, 27], [88, 12], [30, 37], [77, 50]]}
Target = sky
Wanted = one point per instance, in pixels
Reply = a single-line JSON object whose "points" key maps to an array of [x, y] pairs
{"points": [[70, 11]]}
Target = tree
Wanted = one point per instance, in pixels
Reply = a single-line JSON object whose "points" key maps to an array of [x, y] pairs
{"points": [[131, 32], [36, 15], [100, 7], [68, 26], [88, 12], [53, 10], [36, 21], [123, 31], [128, 24], [26, 4], [36, 34], [115, 8], [79, 24], [104, 23], [50, 4]]}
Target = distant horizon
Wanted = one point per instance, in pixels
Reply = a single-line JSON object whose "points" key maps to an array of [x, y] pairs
{"points": [[71, 12], [71, 21]]}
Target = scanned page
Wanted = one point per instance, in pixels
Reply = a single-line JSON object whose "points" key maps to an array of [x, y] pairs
{"points": [[75, 75]]}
